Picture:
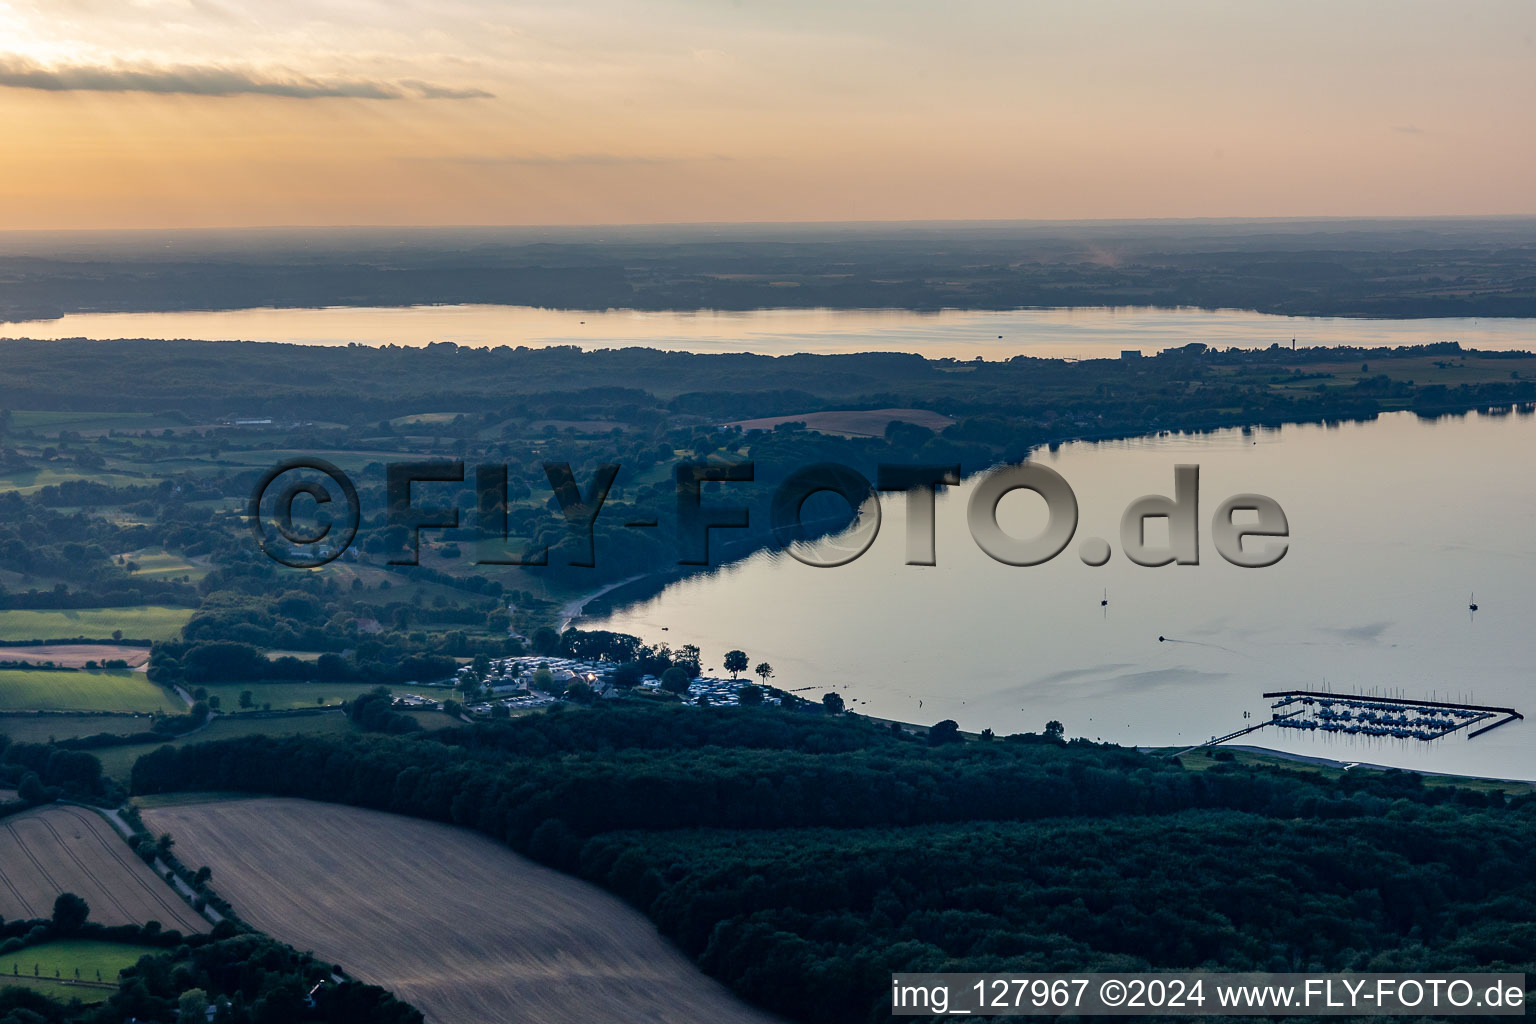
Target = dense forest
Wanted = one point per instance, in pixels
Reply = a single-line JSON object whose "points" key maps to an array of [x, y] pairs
{"points": [[802, 856]]}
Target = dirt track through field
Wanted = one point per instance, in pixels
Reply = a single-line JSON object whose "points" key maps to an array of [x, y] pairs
{"points": [[460, 926], [69, 849]]}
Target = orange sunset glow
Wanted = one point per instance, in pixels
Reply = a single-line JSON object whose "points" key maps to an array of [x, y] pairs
{"points": [[182, 114]]}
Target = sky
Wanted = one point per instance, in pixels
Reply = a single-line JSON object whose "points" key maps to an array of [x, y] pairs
{"points": [[213, 113]]}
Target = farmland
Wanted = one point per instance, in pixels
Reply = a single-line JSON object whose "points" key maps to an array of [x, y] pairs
{"points": [[158, 563], [29, 727], [52, 967], [301, 655], [100, 690], [1204, 759], [74, 655], [117, 762], [145, 622], [285, 696], [494, 937], [30, 481], [51, 422], [68, 849]]}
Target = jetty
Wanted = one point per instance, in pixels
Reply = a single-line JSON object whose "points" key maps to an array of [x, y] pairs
{"points": [[1216, 740]]}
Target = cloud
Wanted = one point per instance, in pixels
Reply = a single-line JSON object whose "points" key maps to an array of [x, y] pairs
{"points": [[211, 80], [426, 90], [1408, 129]]}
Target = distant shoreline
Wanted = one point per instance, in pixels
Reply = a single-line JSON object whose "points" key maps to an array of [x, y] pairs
{"points": [[1333, 267]]}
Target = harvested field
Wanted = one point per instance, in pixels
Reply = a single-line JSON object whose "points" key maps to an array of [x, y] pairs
{"points": [[455, 923], [75, 655], [857, 422], [68, 849]]}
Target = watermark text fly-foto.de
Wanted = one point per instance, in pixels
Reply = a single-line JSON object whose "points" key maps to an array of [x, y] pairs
{"points": [[306, 512]]}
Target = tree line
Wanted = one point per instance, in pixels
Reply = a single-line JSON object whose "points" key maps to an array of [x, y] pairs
{"points": [[801, 857]]}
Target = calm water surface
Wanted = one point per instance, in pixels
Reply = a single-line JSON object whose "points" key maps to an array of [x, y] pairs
{"points": [[1394, 524], [1077, 333]]}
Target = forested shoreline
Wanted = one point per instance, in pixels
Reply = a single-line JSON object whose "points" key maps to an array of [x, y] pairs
{"points": [[1370, 267], [801, 858]]}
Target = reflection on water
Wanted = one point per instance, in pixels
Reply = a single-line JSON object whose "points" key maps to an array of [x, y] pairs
{"points": [[1394, 523], [958, 334]]}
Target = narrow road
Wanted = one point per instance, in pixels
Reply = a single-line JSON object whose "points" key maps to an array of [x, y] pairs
{"points": [[160, 867]]}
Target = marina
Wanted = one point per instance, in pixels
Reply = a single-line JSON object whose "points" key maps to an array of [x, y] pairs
{"points": [[1382, 718]]}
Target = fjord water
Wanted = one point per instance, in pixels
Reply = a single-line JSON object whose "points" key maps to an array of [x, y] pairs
{"points": [[959, 334], [1394, 524]]}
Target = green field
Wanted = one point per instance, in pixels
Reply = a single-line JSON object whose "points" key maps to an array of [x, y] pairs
{"points": [[30, 728], [53, 422], [35, 690], [30, 481], [117, 762], [286, 696], [423, 419], [157, 563], [434, 720], [401, 588], [142, 622], [1203, 760], [301, 655], [352, 460], [36, 967]]}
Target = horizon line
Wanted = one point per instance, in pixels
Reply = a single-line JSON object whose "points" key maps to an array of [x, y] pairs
{"points": [[927, 222]]}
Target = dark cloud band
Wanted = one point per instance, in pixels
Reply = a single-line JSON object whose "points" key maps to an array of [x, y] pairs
{"points": [[212, 80]]}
